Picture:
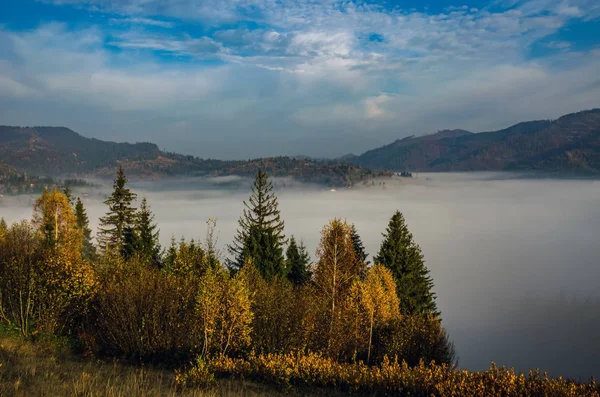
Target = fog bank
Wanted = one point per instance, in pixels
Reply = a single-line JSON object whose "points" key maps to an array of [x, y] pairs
{"points": [[514, 261]]}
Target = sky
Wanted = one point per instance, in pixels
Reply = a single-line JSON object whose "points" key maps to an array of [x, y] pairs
{"points": [[249, 78]]}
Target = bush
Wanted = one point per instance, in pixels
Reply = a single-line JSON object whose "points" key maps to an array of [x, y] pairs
{"points": [[394, 378], [41, 289], [412, 339], [199, 375], [143, 313]]}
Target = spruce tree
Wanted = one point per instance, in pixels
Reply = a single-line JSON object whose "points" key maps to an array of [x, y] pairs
{"points": [[148, 235], [88, 250], [121, 214], [298, 263], [403, 257], [359, 247], [260, 234], [69, 194]]}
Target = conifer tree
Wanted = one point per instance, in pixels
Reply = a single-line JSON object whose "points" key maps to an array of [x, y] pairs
{"points": [[147, 235], [403, 257], [260, 234], [298, 262], [69, 194], [88, 250], [121, 214], [359, 247], [171, 254]]}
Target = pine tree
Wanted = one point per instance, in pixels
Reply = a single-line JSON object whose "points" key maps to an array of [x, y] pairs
{"points": [[88, 250], [260, 233], [121, 214], [69, 194], [147, 234], [359, 247], [403, 257], [298, 263]]}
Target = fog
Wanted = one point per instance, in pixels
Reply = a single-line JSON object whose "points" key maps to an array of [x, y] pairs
{"points": [[514, 260]]}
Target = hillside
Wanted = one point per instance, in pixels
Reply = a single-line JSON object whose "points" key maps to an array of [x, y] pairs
{"points": [[568, 144], [61, 152]]}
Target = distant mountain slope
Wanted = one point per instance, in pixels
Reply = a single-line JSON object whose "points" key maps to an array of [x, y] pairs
{"points": [[59, 151], [570, 143]]}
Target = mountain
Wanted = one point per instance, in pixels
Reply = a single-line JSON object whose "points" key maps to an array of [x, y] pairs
{"points": [[61, 152], [568, 144]]}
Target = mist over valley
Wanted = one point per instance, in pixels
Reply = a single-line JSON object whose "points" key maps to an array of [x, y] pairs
{"points": [[514, 259]]}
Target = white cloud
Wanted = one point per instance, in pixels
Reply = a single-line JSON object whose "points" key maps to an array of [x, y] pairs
{"points": [[307, 72], [141, 21]]}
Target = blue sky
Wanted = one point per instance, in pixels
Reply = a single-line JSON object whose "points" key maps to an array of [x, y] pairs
{"points": [[247, 78]]}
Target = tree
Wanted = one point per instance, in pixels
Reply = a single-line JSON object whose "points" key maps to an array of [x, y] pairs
{"points": [[378, 299], [298, 263], [121, 214], [147, 235], [260, 233], [223, 306], [3, 228], [336, 270], [21, 279], [213, 253], [45, 284], [359, 247], [403, 257], [69, 194], [57, 224], [88, 250], [186, 259]]}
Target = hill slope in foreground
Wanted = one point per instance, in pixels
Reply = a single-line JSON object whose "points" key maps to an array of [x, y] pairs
{"points": [[59, 151], [568, 144]]}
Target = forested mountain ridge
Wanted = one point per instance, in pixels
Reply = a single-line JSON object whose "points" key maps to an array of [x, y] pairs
{"points": [[570, 143], [59, 151]]}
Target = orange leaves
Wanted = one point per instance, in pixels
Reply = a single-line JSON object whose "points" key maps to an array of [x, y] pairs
{"points": [[393, 377]]}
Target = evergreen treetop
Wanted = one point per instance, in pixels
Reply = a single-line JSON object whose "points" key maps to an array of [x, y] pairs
{"points": [[403, 257], [88, 250], [148, 234], [69, 194], [298, 262], [260, 234], [121, 214], [359, 247]]}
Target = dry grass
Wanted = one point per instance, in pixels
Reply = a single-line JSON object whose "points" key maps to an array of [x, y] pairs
{"points": [[42, 369]]}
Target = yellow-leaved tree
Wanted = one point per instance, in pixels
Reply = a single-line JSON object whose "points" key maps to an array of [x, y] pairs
{"points": [[67, 282], [378, 299], [223, 308], [56, 223], [337, 268]]}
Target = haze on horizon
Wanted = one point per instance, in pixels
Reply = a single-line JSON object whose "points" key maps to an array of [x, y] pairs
{"points": [[244, 79], [514, 261]]}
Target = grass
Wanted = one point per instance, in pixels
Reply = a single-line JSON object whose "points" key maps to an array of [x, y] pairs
{"points": [[48, 368]]}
